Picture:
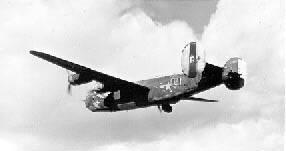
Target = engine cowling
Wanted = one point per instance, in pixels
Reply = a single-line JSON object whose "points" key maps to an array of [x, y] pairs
{"points": [[192, 60], [234, 73], [77, 79], [95, 100]]}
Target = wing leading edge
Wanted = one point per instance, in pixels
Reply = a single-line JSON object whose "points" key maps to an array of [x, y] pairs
{"points": [[110, 83]]}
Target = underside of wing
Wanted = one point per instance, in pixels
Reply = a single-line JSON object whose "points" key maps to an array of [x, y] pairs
{"points": [[110, 83]]}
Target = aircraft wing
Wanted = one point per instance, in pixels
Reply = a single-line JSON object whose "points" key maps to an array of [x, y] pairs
{"points": [[110, 83]]}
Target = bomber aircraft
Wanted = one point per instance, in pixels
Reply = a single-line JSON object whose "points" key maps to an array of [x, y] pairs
{"points": [[114, 94]]}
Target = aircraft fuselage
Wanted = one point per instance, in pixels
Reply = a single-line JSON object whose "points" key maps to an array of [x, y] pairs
{"points": [[164, 90]]}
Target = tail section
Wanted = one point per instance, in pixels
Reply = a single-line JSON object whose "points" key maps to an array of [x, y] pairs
{"points": [[234, 73]]}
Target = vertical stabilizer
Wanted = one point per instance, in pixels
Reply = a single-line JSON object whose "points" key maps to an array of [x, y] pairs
{"points": [[189, 60]]}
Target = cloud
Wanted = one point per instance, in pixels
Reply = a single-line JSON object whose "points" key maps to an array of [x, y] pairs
{"points": [[139, 37], [245, 135], [8, 145], [254, 31], [104, 36]]}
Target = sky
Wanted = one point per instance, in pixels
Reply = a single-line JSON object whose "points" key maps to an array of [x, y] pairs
{"points": [[136, 40]]}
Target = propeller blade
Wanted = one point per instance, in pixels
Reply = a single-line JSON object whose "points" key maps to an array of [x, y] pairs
{"points": [[69, 85], [199, 99], [69, 89], [159, 108]]}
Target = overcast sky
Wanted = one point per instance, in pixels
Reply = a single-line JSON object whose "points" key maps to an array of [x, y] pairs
{"points": [[136, 40]]}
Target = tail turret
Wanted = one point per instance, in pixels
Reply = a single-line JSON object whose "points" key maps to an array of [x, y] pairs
{"points": [[234, 73]]}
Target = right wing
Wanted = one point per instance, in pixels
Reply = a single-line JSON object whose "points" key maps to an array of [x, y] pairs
{"points": [[110, 83]]}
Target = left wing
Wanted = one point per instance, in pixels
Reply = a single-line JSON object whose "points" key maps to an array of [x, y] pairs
{"points": [[110, 83]]}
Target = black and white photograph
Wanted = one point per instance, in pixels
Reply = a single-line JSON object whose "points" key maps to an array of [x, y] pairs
{"points": [[142, 75]]}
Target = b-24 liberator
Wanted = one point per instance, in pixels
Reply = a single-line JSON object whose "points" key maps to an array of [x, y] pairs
{"points": [[114, 94]]}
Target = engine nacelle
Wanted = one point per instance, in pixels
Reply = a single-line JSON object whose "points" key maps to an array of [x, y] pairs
{"points": [[192, 61], [234, 73], [77, 79], [95, 100]]}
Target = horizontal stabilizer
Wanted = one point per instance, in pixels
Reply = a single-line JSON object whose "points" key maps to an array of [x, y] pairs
{"points": [[198, 99]]}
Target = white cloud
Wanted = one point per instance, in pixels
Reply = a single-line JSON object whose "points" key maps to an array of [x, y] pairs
{"points": [[148, 45], [252, 30], [246, 135], [8, 146]]}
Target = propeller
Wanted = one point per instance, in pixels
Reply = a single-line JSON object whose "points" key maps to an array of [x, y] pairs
{"points": [[69, 89], [69, 84], [159, 108]]}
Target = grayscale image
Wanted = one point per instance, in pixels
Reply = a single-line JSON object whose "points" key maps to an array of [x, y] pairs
{"points": [[102, 75]]}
